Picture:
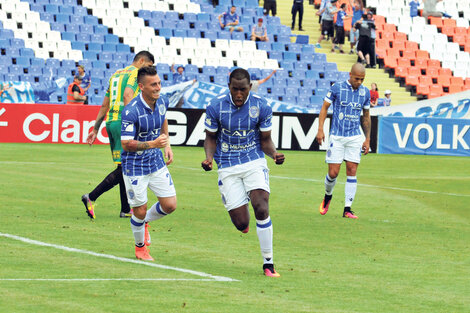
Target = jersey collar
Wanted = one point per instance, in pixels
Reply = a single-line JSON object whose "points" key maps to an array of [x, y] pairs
{"points": [[145, 103], [350, 86]]}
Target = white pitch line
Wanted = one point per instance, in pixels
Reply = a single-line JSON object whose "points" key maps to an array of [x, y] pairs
{"points": [[113, 257], [106, 279]]}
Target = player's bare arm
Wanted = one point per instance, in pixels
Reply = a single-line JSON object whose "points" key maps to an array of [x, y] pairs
{"points": [[210, 145], [134, 145], [365, 123], [99, 119], [128, 95], [268, 147], [168, 152], [321, 122]]}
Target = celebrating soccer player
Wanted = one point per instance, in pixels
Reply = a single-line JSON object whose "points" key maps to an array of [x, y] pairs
{"points": [[238, 134], [346, 143], [144, 131]]}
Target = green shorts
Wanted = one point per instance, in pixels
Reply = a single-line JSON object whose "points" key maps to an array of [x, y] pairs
{"points": [[114, 133]]}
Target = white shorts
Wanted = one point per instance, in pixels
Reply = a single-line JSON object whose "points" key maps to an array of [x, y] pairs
{"points": [[344, 149], [236, 182], [159, 182]]}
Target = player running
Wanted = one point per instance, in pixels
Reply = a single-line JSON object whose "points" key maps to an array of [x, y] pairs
{"points": [[122, 88], [346, 142], [144, 131], [238, 134]]}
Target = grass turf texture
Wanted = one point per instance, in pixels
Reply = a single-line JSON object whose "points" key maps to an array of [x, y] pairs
{"points": [[407, 252]]}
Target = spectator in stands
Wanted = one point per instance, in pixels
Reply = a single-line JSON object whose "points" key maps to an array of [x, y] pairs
{"points": [[373, 36], [297, 6], [230, 19], [363, 47], [178, 75], [270, 5], [374, 94], [429, 9], [339, 28], [75, 93], [414, 4], [259, 31], [255, 82], [388, 98], [86, 80], [358, 11], [4, 88], [327, 27], [320, 10]]}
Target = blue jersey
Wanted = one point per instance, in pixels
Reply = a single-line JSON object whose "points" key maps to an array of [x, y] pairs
{"points": [[414, 8], [179, 78], [347, 106], [238, 128], [86, 80], [230, 18], [140, 123], [340, 18], [357, 15]]}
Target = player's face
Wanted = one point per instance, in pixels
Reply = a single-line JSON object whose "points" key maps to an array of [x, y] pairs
{"points": [[356, 79], [150, 87], [233, 9], [239, 89]]}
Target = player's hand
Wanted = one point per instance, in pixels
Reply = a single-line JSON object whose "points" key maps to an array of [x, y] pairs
{"points": [[206, 165], [91, 137], [366, 146], [168, 155], [279, 158], [320, 136], [161, 141]]}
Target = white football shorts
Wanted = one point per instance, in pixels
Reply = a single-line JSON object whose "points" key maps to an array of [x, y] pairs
{"points": [[159, 182], [344, 149], [236, 182]]}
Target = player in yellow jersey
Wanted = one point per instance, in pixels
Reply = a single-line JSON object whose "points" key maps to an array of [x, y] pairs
{"points": [[122, 89]]}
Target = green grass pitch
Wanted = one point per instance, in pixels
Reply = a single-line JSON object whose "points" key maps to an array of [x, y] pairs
{"points": [[407, 252]]}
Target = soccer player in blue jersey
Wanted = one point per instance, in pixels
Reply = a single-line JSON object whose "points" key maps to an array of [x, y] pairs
{"points": [[238, 135], [346, 143], [144, 131]]}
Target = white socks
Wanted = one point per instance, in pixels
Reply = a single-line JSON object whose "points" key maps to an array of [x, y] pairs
{"points": [[329, 185], [350, 190], [138, 229], [154, 213], [264, 229]]}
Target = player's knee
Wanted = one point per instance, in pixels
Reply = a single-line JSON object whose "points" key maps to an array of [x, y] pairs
{"points": [[140, 211], [241, 226], [168, 206]]}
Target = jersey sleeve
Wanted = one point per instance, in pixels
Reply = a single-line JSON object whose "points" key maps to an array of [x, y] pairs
{"points": [[128, 120], [132, 81], [366, 104], [211, 123], [331, 95], [109, 87], [75, 88], [265, 117]]}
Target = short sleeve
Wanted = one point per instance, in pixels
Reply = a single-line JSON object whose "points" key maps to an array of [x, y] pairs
{"points": [[211, 123], [366, 104], [132, 81], [266, 116], [128, 119], [332, 93], [75, 88]]}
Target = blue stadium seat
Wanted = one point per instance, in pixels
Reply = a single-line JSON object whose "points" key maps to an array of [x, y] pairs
{"points": [[163, 68], [301, 66], [83, 37], [86, 28], [238, 36], [47, 17], [194, 33], [51, 8], [97, 38], [287, 65], [263, 45], [70, 64], [294, 82], [289, 98], [277, 91], [97, 73], [158, 15], [110, 38], [165, 32], [36, 7], [37, 62], [23, 61], [91, 55], [98, 65], [72, 28], [307, 56], [289, 56], [78, 45], [56, 2], [93, 46], [156, 23], [283, 39], [90, 20], [210, 34], [263, 90], [293, 47], [342, 76], [222, 70], [319, 57], [145, 14], [15, 43], [293, 91], [244, 19], [70, 2], [27, 78], [16, 69], [331, 67], [239, 3], [115, 65], [191, 69], [210, 70], [190, 17], [180, 33], [80, 11], [316, 99], [274, 54], [281, 73], [332, 76], [278, 46], [315, 74], [223, 35], [12, 52], [58, 27], [106, 57], [203, 17], [62, 18], [100, 29], [35, 71], [64, 72], [171, 15], [306, 91], [204, 78], [11, 77], [200, 25], [123, 48], [310, 83], [251, 4], [221, 80], [119, 57], [303, 101], [109, 47], [279, 82], [302, 39], [308, 49], [68, 36], [298, 74], [52, 63], [323, 84]]}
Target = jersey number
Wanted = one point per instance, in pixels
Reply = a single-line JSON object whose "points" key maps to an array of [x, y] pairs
{"points": [[169, 177], [114, 88]]}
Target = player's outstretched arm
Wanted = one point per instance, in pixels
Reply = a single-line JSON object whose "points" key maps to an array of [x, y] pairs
{"points": [[268, 147], [321, 121], [99, 119], [365, 123], [134, 145], [210, 145]]}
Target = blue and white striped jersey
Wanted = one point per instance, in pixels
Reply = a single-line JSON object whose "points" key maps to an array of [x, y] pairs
{"points": [[347, 107], [238, 129], [140, 123]]}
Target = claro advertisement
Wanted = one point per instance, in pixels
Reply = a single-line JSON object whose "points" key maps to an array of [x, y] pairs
{"points": [[51, 123]]}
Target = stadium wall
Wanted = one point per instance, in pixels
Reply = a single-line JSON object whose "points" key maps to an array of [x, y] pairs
{"points": [[52, 123]]}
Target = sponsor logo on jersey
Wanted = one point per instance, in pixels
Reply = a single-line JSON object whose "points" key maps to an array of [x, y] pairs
{"points": [[224, 147]]}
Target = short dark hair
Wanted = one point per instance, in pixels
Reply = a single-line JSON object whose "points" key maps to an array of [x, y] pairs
{"points": [[146, 71], [239, 74], [343, 6], [144, 54]]}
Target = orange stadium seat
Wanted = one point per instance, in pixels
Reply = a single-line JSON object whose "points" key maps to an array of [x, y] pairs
{"points": [[456, 81], [382, 44], [421, 63], [436, 21], [400, 36], [435, 63], [400, 45], [414, 71], [379, 19], [390, 28], [421, 54], [412, 80], [448, 30], [409, 54], [411, 45], [425, 80], [449, 22], [390, 62], [387, 36], [455, 88], [432, 72], [460, 39], [445, 72], [422, 89], [401, 71], [444, 81], [435, 91], [403, 62], [393, 53]]}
